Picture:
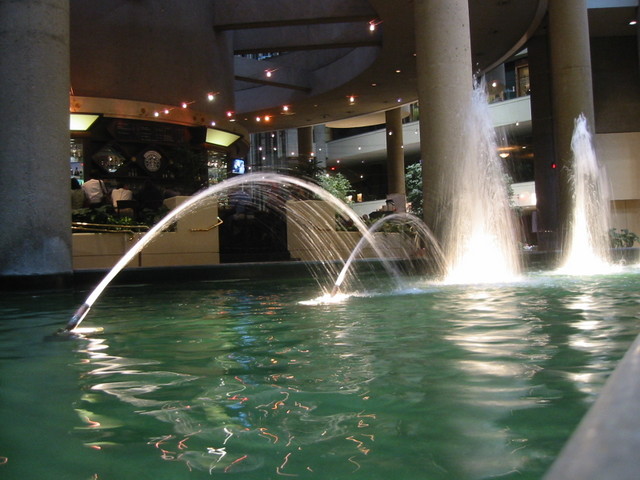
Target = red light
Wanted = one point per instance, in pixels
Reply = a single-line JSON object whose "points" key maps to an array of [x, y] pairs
{"points": [[553, 165], [333, 168]]}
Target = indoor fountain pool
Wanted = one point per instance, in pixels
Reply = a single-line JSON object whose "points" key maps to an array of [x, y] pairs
{"points": [[245, 378]]}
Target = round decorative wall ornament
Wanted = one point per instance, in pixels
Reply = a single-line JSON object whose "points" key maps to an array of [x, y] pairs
{"points": [[152, 160]]}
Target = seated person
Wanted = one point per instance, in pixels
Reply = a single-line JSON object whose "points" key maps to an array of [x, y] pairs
{"points": [[95, 192], [123, 192], [77, 195]]}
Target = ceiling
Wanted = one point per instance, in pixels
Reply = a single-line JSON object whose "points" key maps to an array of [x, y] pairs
{"points": [[321, 53], [325, 55]]}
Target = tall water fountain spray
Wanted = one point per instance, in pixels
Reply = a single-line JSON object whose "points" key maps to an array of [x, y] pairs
{"points": [[480, 237], [587, 244]]}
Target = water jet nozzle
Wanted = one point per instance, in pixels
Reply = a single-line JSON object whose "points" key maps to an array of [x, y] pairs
{"points": [[77, 317]]}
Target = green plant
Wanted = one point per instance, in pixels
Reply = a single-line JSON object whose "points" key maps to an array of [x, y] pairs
{"points": [[102, 215], [413, 182], [336, 184], [105, 215], [308, 169], [623, 238]]}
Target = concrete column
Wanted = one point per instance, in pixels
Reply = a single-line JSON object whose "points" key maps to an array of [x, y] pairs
{"points": [[396, 189], [35, 218], [546, 177], [572, 88], [445, 85], [305, 144]]}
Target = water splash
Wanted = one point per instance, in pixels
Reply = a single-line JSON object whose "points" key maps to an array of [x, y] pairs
{"points": [[480, 239], [270, 180], [423, 246], [326, 299], [587, 246]]}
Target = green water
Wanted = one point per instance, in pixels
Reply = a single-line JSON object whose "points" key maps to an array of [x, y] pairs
{"points": [[239, 379]]}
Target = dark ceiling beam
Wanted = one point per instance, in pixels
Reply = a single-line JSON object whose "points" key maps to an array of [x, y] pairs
{"points": [[294, 22], [301, 48], [261, 81]]}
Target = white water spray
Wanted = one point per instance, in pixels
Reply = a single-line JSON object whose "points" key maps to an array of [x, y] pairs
{"points": [[423, 233], [587, 246], [481, 241], [200, 199]]}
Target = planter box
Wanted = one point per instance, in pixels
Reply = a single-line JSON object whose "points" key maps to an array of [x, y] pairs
{"points": [[193, 242], [101, 250]]}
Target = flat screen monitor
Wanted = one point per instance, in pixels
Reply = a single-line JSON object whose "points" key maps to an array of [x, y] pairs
{"points": [[237, 166]]}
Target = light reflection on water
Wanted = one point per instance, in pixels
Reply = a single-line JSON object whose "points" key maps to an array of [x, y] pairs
{"points": [[438, 382]]}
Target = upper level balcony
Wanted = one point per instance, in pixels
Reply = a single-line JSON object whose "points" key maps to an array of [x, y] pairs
{"points": [[512, 118]]}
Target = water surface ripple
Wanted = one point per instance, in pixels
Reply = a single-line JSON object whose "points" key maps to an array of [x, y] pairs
{"points": [[213, 379]]}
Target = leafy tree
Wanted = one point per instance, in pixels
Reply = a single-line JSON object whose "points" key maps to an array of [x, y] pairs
{"points": [[309, 169], [336, 184], [413, 183]]}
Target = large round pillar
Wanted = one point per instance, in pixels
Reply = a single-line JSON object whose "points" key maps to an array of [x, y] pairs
{"points": [[572, 88], [305, 144], [396, 189], [545, 166], [35, 218], [445, 85]]}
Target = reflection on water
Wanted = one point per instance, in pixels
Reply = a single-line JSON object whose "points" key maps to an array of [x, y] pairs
{"points": [[438, 382]]}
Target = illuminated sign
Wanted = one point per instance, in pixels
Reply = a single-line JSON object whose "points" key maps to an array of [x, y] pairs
{"points": [[81, 121], [220, 137]]}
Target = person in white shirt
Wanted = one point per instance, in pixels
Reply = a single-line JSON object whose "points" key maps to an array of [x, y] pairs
{"points": [[95, 191], [121, 193]]}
